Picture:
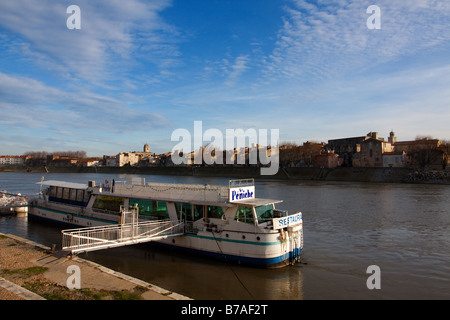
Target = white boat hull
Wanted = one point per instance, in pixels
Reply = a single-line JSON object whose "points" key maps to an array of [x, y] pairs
{"points": [[215, 223], [265, 250]]}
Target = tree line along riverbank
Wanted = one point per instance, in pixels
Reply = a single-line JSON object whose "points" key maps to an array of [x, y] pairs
{"points": [[348, 174]]}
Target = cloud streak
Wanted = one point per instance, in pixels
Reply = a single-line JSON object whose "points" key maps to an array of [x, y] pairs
{"points": [[111, 34], [30, 102], [324, 39]]}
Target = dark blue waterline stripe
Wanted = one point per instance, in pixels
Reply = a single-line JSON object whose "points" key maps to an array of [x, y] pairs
{"points": [[263, 262]]}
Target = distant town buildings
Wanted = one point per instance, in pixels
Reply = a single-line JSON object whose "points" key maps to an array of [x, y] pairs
{"points": [[346, 148], [135, 158], [12, 160], [374, 151], [369, 150]]}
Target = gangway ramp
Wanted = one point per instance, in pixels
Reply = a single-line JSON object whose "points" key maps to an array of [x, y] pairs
{"points": [[117, 235]]}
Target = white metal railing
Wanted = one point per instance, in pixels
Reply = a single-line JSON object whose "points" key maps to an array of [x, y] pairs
{"points": [[103, 237], [241, 183]]}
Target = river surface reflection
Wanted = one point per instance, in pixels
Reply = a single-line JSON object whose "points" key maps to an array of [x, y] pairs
{"points": [[403, 229]]}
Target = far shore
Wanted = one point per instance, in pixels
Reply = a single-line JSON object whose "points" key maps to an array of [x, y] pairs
{"points": [[348, 174]]}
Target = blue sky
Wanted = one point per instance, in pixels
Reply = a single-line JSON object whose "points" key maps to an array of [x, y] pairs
{"points": [[137, 70]]}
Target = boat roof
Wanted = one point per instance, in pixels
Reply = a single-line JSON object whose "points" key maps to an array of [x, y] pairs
{"points": [[257, 202], [63, 184], [166, 195]]}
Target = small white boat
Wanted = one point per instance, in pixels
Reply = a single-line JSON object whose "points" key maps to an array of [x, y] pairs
{"points": [[13, 203]]}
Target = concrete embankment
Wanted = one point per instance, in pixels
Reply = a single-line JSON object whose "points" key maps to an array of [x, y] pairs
{"points": [[349, 174], [28, 271]]}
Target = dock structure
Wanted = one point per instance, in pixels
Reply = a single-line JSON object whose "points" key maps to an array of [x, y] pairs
{"points": [[118, 235]]}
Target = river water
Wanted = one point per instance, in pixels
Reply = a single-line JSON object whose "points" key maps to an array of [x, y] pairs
{"points": [[403, 229]]}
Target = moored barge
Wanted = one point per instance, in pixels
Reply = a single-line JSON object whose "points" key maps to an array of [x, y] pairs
{"points": [[226, 222]]}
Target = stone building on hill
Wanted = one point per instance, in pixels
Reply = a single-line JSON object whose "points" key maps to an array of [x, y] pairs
{"points": [[135, 157]]}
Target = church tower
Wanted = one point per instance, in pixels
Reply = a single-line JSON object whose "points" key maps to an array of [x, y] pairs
{"points": [[392, 138], [146, 148]]}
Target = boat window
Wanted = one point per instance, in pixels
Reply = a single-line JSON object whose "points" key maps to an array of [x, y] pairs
{"points": [[264, 213], [59, 192], [198, 212], [108, 203], [214, 212], [75, 197], [73, 194], [80, 195], [86, 197], [52, 191], [185, 210], [245, 214], [157, 209], [66, 193]]}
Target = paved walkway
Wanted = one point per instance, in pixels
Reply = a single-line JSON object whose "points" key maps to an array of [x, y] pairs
{"points": [[20, 253]]}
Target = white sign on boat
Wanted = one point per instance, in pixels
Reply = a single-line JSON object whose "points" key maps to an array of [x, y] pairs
{"points": [[289, 221], [242, 193], [240, 190]]}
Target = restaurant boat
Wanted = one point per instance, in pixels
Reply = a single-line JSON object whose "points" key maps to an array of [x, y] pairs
{"points": [[226, 222]]}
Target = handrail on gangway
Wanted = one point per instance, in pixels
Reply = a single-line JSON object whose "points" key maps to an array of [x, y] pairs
{"points": [[117, 235]]}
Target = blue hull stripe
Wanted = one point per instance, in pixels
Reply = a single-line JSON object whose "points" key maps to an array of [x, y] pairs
{"points": [[236, 241], [263, 262]]}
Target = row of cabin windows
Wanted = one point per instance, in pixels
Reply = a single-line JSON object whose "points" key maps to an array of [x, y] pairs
{"points": [[263, 214], [185, 211], [69, 194], [194, 212], [153, 208]]}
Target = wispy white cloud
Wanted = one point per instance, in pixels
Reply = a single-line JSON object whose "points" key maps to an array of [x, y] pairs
{"points": [[31, 102], [112, 33], [237, 69], [324, 39]]}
